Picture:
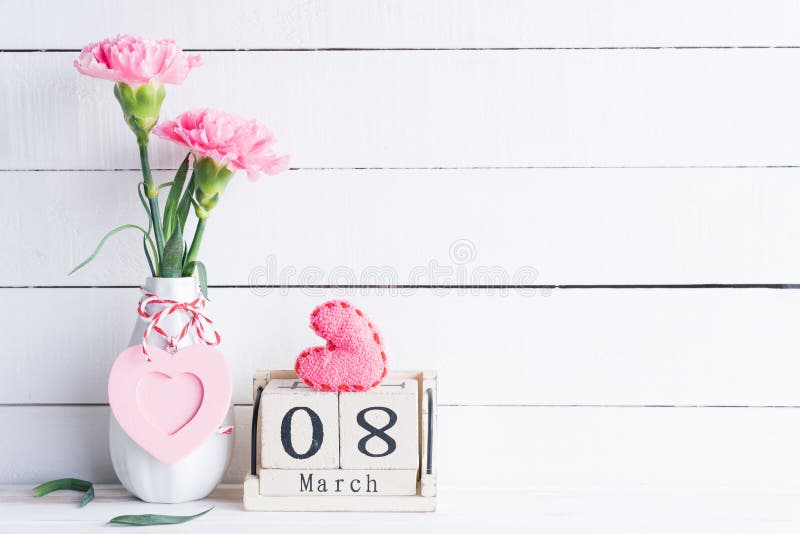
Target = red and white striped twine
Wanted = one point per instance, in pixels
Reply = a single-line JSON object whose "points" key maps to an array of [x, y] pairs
{"points": [[195, 320]]}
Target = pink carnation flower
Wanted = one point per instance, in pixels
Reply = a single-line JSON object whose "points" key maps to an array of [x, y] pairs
{"points": [[134, 60], [239, 144]]}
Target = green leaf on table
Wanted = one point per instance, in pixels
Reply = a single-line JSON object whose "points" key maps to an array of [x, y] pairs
{"points": [[172, 262], [171, 205], [103, 242], [74, 484], [88, 496], [155, 519]]}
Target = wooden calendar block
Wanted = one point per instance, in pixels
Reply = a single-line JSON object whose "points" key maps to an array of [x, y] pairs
{"points": [[299, 426], [332, 482], [396, 428], [379, 428]]}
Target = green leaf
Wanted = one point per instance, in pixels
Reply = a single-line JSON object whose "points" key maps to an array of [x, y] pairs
{"points": [[88, 496], [185, 203], [146, 207], [147, 256], [162, 186], [201, 274], [155, 519], [103, 242], [74, 484], [172, 263], [171, 206]]}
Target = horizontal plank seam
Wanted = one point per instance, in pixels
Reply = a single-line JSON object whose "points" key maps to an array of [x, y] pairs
{"points": [[454, 287], [442, 168], [462, 405], [443, 49]]}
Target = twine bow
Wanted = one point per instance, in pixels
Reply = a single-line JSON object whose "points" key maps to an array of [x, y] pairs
{"points": [[202, 326]]}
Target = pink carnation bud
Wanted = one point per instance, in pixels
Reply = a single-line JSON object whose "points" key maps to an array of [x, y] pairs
{"points": [[134, 60], [231, 141]]}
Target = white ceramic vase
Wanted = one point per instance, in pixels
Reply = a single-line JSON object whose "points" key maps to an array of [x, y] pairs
{"points": [[194, 476]]}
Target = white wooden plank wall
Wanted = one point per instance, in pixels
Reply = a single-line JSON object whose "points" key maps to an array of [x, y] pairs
{"points": [[436, 108], [571, 226], [630, 168], [384, 24]]}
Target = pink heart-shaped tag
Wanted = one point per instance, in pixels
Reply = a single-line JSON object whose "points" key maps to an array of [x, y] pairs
{"points": [[352, 360], [172, 403], [182, 393]]}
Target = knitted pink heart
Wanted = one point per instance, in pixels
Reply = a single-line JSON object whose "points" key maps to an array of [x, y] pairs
{"points": [[171, 404], [352, 360]]}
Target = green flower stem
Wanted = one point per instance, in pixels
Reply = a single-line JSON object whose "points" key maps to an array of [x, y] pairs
{"points": [[188, 270], [151, 192]]}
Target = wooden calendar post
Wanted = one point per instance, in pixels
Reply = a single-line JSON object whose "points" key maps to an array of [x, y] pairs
{"points": [[369, 451]]}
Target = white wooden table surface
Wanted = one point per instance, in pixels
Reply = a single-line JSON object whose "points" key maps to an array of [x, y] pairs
{"points": [[551, 510]]}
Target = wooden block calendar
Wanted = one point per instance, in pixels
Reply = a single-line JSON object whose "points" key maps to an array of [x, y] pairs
{"points": [[328, 451], [299, 426]]}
